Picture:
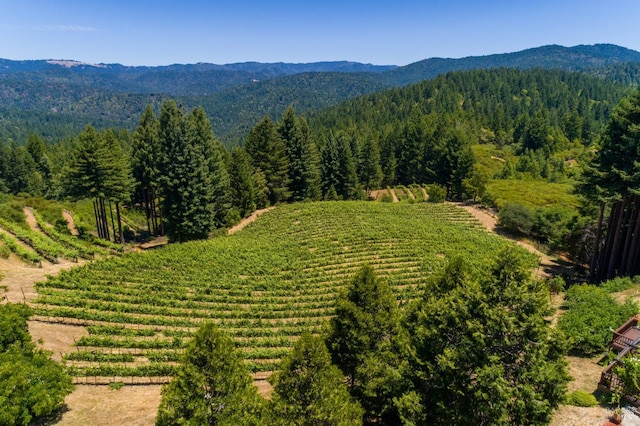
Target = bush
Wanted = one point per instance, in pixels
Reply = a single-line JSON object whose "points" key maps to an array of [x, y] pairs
{"points": [[32, 386], [580, 398], [437, 193], [516, 218], [592, 314], [556, 284], [619, 284]]}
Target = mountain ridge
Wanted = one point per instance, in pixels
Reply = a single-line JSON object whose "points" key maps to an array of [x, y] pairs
{"points": [[236, 96]]}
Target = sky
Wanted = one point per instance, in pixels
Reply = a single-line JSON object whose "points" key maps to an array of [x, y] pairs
{"points": [[398, 32]]}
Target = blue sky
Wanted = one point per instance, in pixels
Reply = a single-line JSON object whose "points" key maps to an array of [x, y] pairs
{"points": [[162, 32]]}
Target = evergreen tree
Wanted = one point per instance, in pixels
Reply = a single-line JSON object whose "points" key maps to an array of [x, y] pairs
{"points": [[243, 190], [302, 157], [38, 151], [145, 159], [613, 179], [455, 163], [21, 174], [268, 154], [483, 352], [201, 135], [388, 162], [99, 169], [309, 390], [371, 172], [367, 342], [211, 387], [187, 202], [348, 187]]}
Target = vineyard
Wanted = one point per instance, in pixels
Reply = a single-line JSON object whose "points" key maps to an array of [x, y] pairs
{"points": [[263, 286]]}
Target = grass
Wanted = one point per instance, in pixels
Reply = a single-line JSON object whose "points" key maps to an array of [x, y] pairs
{"points": [[532, 193]]}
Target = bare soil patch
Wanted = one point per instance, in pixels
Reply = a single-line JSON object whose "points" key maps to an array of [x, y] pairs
{"points": [[20, 278], [244, 222], [31, 219], [58, 338], [71, 224], [394, 197], [102, 406]]}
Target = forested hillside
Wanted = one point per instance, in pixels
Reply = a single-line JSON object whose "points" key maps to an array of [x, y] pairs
{"points": [[57, 99]]}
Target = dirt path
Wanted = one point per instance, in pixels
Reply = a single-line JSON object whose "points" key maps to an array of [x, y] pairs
{"points": [[548, 264], [394, 197], [31, 219], [71, 224], [247, 220]]}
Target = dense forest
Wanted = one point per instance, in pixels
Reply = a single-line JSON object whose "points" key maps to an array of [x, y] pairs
{"points": [[58, 99], [459, 135]]}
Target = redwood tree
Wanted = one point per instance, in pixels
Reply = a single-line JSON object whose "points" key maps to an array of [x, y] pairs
{"points": [[614, 181]]}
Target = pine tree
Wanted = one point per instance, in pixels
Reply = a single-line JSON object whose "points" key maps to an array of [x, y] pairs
{"points": [[268, 155], [186, 187], [99, 169], [201, 135], [300, 149], [613, 180], [309, 390], [367, 343], [145, 158], [371, 172], [482, 351], [38, 151], [211, 387], [243, 190]]}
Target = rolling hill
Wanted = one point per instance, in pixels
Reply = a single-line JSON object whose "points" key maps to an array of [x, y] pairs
{"points": [[64, 96]]}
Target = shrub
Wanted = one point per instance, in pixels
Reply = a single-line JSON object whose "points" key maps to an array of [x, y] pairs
{"points": [[437, 193], [32, 386], [580, 398], [556, 284], [516, 218], [592, 314]]}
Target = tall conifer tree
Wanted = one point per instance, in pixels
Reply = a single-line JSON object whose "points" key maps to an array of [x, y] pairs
{"points": [[186, 187]]}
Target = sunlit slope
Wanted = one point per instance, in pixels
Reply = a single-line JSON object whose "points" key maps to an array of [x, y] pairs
{"points": [[264, 286]]}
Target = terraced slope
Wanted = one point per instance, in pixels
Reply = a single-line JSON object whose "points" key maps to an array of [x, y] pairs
{"points": [[264, 286]]}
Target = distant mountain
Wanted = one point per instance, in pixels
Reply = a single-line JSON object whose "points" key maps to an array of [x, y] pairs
{"points": [[42, 95], [577, 58], [177, 80]]}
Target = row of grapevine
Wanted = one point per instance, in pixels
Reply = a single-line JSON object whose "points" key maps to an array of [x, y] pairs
{"points": [[265, 286]]}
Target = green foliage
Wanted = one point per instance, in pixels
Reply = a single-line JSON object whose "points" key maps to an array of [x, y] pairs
{"points": [[302, 153], [273, 281], [212, 386], [308, 389], [185, 179], [628, 371], [437, 193], [580, 398], [620, 284], [516, 218], [12, 211], [13, 323], [367, 343], [532, 193], [592, 314], [483, 352], [555, 284], [243, 187], [32, 386], [268, 154]]}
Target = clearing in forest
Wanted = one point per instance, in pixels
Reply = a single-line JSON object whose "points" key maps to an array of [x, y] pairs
{"points": [[264, 286]]}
